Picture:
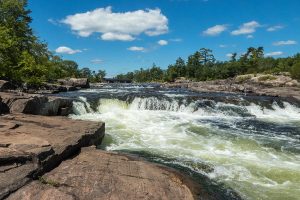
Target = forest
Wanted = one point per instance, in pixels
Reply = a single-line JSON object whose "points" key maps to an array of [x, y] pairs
{"points": [[202, 66], [26, 59]]}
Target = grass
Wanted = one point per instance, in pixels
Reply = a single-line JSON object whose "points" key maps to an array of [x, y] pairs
{"points": [[49, 182]]}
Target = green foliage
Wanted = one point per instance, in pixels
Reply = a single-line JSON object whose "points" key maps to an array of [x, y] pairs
{"points": [[243, 78], [201, 66], [23, 58], [266, 77], [49, 182], [30, 71], [295, 71]]}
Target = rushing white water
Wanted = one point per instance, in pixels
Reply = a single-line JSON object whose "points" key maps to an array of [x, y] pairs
{"points": [[245, 158]]}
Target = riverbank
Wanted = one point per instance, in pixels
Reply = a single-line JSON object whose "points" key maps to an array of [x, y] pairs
{"points": [[43, 157], [260, 85]]}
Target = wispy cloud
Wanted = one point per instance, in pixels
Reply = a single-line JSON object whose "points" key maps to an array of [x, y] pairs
{"points": [[176, 40], [162, 42], [215, 30], [52, 21], [275, 53], [283, 43], [250, 36], [124, 26], [135, 48], [97, 61], [66, 50], [275, 28], [246, 28]]}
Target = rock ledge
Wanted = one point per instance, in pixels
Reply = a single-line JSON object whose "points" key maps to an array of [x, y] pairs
{"points": [[96, 174], [31, 145]]}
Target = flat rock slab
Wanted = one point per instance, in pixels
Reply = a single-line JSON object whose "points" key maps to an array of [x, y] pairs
{"points": [[31, 145], [97, 174]]}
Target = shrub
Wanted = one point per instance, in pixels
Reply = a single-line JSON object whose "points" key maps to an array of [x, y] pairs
{"points": [[243, 78], [266, 77], [295, 71]]}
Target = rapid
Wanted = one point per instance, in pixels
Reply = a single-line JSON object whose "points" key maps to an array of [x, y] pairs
{"points": [[247, 145]]}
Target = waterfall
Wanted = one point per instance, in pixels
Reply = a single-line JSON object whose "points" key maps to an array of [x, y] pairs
{"points": [[200, 107], [245, 143], [81, 106]]}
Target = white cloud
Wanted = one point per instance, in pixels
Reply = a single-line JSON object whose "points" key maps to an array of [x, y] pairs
{"points": [[223, 45], [275, 53], [215, 30], [162, 42], [97, 61], [66, 50], [229, 55], [117, 36], [246, 28], [135, 48], [250, 36], [274, 28], [117, 25], [287, 42]]}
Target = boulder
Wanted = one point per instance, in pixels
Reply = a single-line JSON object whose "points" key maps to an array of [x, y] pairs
{"points": [[31, 145], [97, 174], [35, 104], [55, 88], [3, 107], [292, 83], [6, 85], [75, 82]]}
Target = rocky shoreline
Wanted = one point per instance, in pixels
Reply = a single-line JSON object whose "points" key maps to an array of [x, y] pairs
{"points": [[46, 156], [260, 85]]}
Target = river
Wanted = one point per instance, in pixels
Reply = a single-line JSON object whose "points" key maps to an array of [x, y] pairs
{"points": [[247, 145]]}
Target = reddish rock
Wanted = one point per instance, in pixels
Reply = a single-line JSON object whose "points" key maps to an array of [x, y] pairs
{"points": [[96, 174], [31, 145]]}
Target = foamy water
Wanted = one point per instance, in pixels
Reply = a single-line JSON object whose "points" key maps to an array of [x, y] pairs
{"points": [[252, 149]]}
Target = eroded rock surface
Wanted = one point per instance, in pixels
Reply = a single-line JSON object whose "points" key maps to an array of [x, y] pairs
{"points": [[96, 174], [75, 82], [31, 145], [34, 104], [282, 86]]}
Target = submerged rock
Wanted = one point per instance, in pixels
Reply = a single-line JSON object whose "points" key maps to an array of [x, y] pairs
{"points": [[31, 145], [96, 174]]}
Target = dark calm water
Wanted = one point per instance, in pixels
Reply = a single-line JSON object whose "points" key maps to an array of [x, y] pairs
{"points": [[248, 143]]}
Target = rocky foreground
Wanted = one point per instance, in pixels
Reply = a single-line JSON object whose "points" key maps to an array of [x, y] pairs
{"points": [[43, 157], [31, 145]]}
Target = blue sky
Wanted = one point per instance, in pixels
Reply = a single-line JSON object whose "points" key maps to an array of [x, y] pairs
{"points": [[124, 35]]}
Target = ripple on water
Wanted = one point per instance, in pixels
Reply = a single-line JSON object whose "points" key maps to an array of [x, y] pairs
{"points": [[252, 149]]}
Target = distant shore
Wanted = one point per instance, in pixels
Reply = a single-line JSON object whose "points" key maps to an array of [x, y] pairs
{"points": [[261, 85]]}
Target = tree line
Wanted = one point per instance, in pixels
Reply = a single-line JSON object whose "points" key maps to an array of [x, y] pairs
{"points": [[202, 66], [24, 58]]}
